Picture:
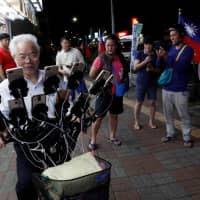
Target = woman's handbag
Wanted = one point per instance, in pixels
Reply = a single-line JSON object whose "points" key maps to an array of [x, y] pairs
{"points": [[166, 76]]}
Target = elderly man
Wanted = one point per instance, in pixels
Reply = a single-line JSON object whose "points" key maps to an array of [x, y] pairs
{"points": [[26, 52]]}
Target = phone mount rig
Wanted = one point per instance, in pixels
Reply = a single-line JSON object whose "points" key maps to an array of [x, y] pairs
{"points": [[18, 88], [46, 141]]}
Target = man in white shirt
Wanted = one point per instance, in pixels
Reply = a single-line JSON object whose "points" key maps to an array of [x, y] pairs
{"points": [[67, 57]]}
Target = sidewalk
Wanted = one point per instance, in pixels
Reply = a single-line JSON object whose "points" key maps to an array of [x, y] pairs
{"points": [[143, 168]]}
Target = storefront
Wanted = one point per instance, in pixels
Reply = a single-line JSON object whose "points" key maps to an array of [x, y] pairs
{"points": [[3, 24], [19, 16]]}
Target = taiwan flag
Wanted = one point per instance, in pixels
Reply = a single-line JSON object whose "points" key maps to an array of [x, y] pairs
{"points": [[101, 46], [192, 37]]}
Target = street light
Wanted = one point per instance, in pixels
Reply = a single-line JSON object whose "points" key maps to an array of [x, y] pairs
{"points": [[74, 19], [112, 17]]}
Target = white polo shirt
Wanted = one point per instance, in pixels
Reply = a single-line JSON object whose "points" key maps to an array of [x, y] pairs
{"points": [[69, 57]]}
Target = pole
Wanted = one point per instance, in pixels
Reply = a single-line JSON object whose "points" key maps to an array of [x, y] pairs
{"points": [[112, 17], [179, 14]]}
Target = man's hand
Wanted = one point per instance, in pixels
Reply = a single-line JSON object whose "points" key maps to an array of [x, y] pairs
{"points": [[149, 67], [147, 59], [65, 70]]}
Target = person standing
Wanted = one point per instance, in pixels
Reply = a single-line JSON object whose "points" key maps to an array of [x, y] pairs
{"points": [[110, 101], [175, 94], [146, 82], [70, 56], [26, 53], [6, 60]]}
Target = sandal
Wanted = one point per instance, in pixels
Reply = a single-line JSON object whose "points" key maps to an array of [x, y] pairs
{"points": [[115, 141], [153, 126], [92, 147]]}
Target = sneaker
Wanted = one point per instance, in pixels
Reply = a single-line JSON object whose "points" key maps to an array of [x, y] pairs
{"points": [[188, 143], [115, 141], [167, 139], [92, 147]]}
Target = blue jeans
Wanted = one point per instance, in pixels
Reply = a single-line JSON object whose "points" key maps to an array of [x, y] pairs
{"points": [[81, 88]]}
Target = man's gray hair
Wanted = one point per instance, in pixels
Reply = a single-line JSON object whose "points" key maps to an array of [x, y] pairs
{"points": [[22, 38]]}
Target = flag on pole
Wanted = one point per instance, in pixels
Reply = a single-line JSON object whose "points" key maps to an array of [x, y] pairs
{"points": [[136, 31], [101, 47], [192, 37]]}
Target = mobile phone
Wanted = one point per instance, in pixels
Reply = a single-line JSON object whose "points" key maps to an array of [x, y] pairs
{"points": [[15, 104], [71, 69], [38, 99], [100, 82], [14, 73], [104, 74], [76, 67], [51, 70], [108, 80]]}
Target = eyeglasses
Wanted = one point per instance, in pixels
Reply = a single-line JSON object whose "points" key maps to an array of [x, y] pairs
{"points": [[32, 56]]}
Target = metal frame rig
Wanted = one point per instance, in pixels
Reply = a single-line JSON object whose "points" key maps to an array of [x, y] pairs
{"points": [[45, 141]]}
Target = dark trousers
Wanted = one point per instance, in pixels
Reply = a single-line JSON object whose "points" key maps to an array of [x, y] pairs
{"points": [[24, 188]]}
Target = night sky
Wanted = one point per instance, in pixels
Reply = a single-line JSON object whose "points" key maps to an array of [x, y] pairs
{"points": [[93, 14]]}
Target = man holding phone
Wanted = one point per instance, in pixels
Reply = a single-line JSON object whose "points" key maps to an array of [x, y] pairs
{"points": [[26, 53], [70, 58]]}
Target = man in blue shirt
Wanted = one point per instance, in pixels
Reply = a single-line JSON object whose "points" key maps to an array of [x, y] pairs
{"points": [[146, 82], [175, 94]]}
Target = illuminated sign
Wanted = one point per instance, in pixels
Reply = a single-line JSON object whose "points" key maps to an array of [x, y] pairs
{"points": [[134, 20], [122, 34]]}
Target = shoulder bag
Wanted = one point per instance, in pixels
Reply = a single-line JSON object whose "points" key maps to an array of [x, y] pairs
{"points": [[166, 76]]}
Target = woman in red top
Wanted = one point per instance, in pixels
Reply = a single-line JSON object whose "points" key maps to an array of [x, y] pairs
{"points": [[111, 102]]}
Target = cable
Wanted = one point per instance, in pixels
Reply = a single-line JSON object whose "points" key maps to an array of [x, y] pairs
{"points": [[50, 141]]}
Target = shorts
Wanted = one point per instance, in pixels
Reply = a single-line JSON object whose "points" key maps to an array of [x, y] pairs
{"points": [[109, 103], [141, 91]]}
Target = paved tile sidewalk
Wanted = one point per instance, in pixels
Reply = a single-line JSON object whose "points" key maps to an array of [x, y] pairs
{"points": [[142, 167]]}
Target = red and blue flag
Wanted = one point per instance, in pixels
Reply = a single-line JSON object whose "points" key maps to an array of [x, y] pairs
{"points": [[192, 37], [101, 46]]}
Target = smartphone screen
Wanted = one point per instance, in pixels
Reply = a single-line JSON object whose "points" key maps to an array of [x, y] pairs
{"points": [[15, 103], [14, 73], [77, 67], [51, 71], [104, 74], [38, 99]]}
